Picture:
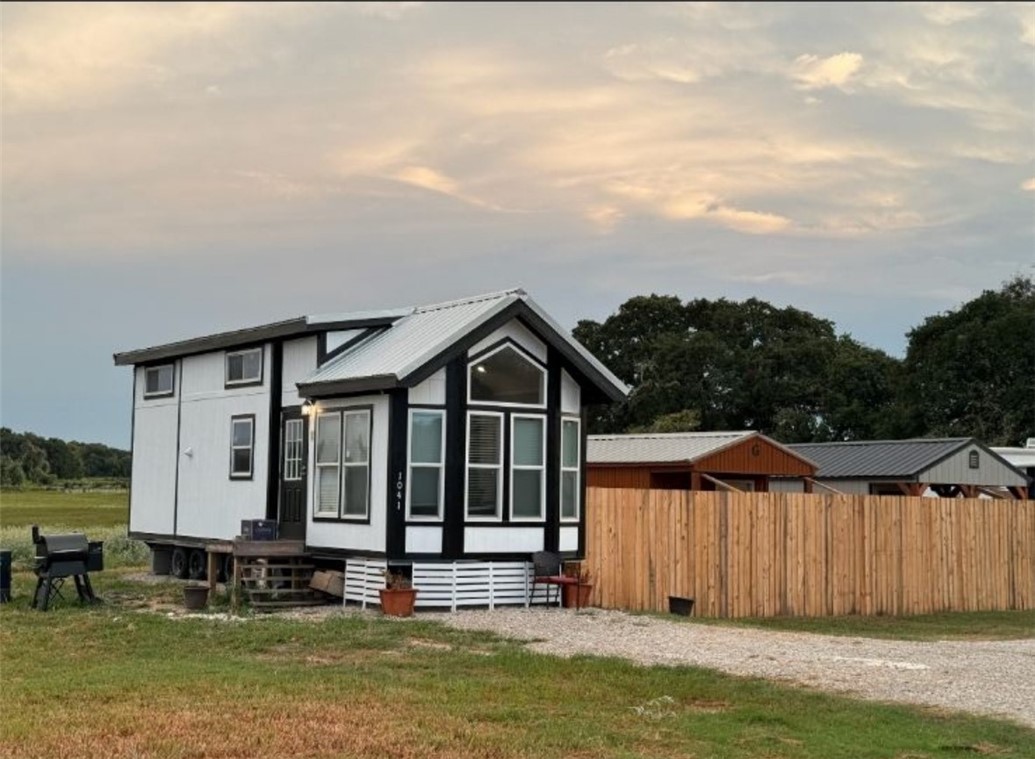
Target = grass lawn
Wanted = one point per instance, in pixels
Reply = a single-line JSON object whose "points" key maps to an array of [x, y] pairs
{"points": [[71, 509], [115, 681], [977, 625]]}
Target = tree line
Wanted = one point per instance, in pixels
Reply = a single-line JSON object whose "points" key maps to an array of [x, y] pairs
{"points": [[27, 459], [725, 365]]}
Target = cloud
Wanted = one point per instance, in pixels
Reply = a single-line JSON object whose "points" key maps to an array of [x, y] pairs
{"points": [[814, 73]]}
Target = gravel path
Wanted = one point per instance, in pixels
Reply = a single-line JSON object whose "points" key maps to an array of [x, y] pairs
{"points": [[987, 677]]}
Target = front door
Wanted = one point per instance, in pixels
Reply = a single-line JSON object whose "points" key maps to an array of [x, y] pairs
{"points": [[294, 450]]}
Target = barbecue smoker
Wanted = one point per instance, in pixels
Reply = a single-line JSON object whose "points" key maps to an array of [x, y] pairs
{"points": [[59, 557]]}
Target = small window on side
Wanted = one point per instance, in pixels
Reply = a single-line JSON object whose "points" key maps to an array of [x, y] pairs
{"points": [[242, 446], [244, 367], [974, 460], [158, 381]]}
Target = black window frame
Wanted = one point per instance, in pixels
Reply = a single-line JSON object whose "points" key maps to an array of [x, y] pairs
{"points": [[250, 418], [229, 384], [161, 393]]}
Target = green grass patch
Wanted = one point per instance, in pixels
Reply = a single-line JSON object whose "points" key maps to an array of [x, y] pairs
{"points": [[148, 685], [101, 515], [976, 625]]}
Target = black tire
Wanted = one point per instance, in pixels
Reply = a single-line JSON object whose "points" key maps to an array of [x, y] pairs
{"points": [[226, 569], [198, 567], [178, 566]]}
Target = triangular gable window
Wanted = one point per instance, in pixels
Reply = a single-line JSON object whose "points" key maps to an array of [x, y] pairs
{"points": [[508, 377]]}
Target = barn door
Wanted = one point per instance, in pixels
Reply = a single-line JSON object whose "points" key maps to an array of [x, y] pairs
{"points": [[294, 450]]}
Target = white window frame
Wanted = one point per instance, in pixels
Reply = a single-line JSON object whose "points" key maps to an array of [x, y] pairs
{"points": [[336, 417], [577, 469], [293, 450], [498, 467], [544, 385], [440, 466], [541, 418], [161, 393], [244, 381], [345, 465], [250, 447]]}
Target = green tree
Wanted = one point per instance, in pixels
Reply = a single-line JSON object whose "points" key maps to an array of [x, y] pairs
{"points": [[971, 372], [11, 473]]}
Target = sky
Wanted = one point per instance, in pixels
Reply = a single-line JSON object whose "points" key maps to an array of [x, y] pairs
{"points": [[174, 170]]}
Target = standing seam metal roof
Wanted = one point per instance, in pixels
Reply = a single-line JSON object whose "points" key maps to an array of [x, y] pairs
{"points": [[659, 448], [878, 458]]}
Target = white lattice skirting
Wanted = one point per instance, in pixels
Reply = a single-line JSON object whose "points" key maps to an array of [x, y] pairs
{"points": [[450, 585]]}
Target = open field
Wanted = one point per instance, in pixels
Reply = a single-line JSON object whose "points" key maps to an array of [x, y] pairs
{"points": [[975, 625], [151, 685]]}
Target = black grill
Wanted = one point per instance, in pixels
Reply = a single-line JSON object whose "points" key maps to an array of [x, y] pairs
{"points": [[59, 557]]}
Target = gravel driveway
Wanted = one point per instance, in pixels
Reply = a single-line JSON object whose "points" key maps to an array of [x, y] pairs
{"points": [[987, 677]]}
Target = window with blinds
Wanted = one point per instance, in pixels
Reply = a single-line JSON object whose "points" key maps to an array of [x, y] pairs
{"points": [[426, 460], [328, 463], [343, 464], [527, 467], [571, 440], [484, 465]]}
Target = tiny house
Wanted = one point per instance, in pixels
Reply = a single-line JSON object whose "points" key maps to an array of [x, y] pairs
{"points": [[446, 440]]}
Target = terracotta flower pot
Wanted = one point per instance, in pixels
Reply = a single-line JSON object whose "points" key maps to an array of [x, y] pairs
{"points": [[568, 595], [398, 602]]}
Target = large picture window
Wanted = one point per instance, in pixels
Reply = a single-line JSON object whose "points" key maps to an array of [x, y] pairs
{"points": [[426, 459], [343, 464], [158, 381], [242, 446], [506, 376], [244, 367], [484, 465], [527, 467], [571, 441]]}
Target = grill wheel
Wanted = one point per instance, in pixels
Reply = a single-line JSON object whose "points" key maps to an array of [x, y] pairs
{"points": [[226, 569], [198, 569], [178, 564]]}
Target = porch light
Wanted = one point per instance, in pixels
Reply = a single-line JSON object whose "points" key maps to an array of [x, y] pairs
{"points": [[307, 407], [481, 368]]}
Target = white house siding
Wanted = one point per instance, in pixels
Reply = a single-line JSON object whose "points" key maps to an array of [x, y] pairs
{"points": [[787, 485], [153, 481], [431, 391], [517, 332], [352, 535], [210, 504], [571, 395], [569, 539], [518, 540], [423, 540], [956, 470], [299, 361]]}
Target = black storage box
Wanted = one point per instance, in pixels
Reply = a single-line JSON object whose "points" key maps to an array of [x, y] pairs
{"points": [[258, 529], [95, 556]]}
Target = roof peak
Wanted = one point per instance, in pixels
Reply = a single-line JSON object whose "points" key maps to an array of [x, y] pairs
{"points": [[673, 435], [517, 291], [905, 441]]}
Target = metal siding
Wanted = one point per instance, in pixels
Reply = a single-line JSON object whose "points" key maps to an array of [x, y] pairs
{"points": [[876, 458], [617, 477], [424, 539], [787, 485], [568, 539], [571, 394], [740, 459], [495, 540], [351, 535], [431, 391], [955, 470], [299, 361], [153, 480], [657, 449], [517, 332]]}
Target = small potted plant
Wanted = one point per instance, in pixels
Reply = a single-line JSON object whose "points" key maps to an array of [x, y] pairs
{"points": [[577, 595], [398, 595]]}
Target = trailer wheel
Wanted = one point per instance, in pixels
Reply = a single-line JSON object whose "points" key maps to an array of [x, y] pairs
{"points": [[197, 567], [226, 569], [178, 563]]}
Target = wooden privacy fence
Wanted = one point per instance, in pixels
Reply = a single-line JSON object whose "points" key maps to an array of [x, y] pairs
{"points": [[771, 554]]}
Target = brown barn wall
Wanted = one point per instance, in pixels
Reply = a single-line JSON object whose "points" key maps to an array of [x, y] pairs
{"points": [[617, 477], [739, 459]]}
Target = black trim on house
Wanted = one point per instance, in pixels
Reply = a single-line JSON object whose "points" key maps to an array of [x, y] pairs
{"points": [[273, 445], [456, 455], [341, 411], [297, 327], [132, 434], [323, 552], [395, 522], [553, 450], [357, 386], [323, 355], [251, 468], [176, 480]]}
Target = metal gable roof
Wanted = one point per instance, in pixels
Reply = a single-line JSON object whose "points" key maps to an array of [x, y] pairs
{"points": [[878, 458], [393, 355], [659, 448]]}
